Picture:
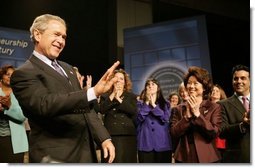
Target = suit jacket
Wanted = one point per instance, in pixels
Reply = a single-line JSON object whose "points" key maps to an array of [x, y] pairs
{"points": [[119, 117], [119, 121], [60, 116], [238, 142], [200, 133]]}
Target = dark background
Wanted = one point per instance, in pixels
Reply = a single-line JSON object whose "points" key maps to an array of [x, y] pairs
{"points": [[92, 30]]}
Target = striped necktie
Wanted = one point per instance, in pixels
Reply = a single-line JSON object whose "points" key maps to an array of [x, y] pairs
{"points": [[245, 103], [57, 68]]}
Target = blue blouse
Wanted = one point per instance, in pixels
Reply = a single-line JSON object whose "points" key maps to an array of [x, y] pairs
{"points": [[153, 128]]}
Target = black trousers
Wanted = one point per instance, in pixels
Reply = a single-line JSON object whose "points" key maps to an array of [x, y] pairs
{"points": [[125, 149], [155, 157], [6, 153]]}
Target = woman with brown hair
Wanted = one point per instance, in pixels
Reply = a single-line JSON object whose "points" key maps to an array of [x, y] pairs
{"points": [[13, 137], [119, 109]]}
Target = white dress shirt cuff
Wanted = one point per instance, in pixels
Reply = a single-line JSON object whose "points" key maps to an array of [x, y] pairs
{"points": [[91, 94]]}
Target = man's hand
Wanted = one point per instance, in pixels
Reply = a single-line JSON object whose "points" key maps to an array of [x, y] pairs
{"points": [[109, 150], [105, 83], [246, 118]]}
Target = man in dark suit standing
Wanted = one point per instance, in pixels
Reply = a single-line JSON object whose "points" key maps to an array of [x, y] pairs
{"points": [[62, 120], [236, 118]]}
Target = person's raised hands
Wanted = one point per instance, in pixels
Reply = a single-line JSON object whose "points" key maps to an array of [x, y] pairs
{"points": [[105, 83]]}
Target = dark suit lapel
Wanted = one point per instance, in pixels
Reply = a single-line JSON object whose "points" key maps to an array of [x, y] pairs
{"points": [[71, 75], [236, 103], [50, 71]]}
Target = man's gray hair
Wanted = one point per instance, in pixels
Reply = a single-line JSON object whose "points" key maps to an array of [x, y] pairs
{"points": [[41, 23]]}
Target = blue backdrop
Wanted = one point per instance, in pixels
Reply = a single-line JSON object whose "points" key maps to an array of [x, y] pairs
{"points": [[165, 51], [15, 46]]}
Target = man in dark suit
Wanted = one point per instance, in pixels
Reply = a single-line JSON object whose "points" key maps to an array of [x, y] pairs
{"points": [[62, 120], [236, 121]]}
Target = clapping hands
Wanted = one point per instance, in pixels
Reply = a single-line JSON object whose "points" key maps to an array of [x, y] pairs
{"points": [[151, 99], [117, 92], [5, 102], [246, 118], [88, 81], [193, 105]]}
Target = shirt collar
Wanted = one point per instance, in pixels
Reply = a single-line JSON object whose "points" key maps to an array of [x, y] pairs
{"points": [[42, 58], [240, 97]]}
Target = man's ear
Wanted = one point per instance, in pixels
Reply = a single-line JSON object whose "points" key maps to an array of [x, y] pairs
{"points": [[37, 35]]}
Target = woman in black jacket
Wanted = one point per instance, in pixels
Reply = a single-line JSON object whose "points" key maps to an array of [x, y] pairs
{"points": [[119, 110]]}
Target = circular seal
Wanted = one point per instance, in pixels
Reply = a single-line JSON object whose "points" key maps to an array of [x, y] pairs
{"points": [[169, 79]]}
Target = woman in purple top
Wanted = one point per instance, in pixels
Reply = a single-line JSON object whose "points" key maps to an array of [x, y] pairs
{"points": [[153, 137]]}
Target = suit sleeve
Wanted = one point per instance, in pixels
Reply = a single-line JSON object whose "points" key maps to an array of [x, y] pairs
{"points": [[99, 132], [40, 94], [230, 126]]}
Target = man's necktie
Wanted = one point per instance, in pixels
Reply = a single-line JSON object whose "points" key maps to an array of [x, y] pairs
{"points": [[57, 68], [246, 103]]}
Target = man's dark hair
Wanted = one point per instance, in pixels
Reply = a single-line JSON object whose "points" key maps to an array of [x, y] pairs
{"points": [[239, 68]]}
